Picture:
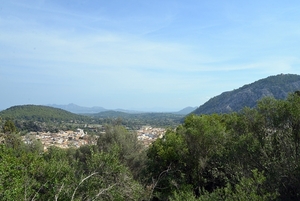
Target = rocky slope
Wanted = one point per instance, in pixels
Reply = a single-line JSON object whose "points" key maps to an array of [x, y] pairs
{"points": [[278, 86]]}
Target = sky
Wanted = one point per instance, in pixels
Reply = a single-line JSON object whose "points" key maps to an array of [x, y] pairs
{"points": [[158, 55]]}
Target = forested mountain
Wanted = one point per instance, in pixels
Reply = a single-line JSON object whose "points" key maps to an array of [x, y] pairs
{"points": [[39, 113], [278, 86]]}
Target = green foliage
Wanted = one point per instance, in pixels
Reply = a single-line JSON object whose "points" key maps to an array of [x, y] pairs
{"points": [[110, 179], [9, 127], [88, 173], [165, 162], [129, 148], [245, 189], [182, 158], [211, 157], [11, 182]]}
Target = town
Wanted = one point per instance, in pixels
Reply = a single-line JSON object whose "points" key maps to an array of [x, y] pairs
{"points": [[147, 134], [67, 139]]}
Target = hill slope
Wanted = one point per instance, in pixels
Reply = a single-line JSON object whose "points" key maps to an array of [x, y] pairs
{"points": [[278, 86], [186, 110], [39, 113]]}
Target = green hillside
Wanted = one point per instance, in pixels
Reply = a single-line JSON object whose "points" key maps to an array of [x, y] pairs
{"points": [[39, 113], [278, 86]]}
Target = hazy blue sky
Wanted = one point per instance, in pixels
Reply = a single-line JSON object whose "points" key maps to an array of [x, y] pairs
{"points": [[139, 54]]}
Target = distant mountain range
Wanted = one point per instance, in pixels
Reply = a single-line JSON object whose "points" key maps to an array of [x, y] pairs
{"points": [[278, 86], [78, 109], [93, 110]]}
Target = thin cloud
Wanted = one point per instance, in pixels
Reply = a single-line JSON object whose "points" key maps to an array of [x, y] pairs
{"points": [[170, 49]]}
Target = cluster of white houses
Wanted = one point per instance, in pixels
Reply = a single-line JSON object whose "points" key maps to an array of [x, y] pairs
{"points": [[67, 139], [62, 139], [147, 134]]}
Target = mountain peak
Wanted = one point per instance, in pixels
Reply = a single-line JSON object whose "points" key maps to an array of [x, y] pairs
{"points": [[278, 86]]}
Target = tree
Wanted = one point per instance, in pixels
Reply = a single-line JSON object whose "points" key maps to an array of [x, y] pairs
{"points": [[248, 188], [183, 158], [9, 127], [130, 148], [106, 178], [166, 164], [205, 136]]}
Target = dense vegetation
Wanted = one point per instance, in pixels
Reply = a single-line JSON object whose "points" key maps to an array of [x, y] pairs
{"points": [[278, 86], [100, 172], [250, 155], [135, 121]]}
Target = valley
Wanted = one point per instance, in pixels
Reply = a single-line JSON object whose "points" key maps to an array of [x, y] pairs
{"points": [[248, 151]]}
